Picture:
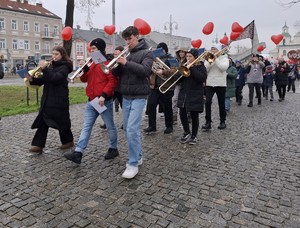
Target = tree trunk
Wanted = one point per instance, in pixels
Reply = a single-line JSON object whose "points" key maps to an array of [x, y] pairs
{"points": [[69, 22]]}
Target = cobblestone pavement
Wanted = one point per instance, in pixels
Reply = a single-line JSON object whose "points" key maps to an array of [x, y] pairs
{"points": [[244, 176]]}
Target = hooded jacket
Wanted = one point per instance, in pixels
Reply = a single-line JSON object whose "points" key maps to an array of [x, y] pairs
{"points": [[216, 72], [134, 75]]}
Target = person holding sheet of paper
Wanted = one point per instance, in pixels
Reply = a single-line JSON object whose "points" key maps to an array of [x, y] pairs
{"points": [[100, 90]]}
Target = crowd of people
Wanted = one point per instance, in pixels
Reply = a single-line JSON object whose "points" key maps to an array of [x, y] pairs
{"points": [[138, 86]]}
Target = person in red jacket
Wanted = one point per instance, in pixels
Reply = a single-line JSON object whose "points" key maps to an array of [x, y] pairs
{"points": [[100, 86]]}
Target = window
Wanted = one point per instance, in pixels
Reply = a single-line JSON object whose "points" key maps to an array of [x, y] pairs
{"points": [[2, 44], [26, 45], [26, 26], [55, 30], [46, 30], [2, 24], [79, 49], [37, 45], [47, 47], [15, 44], [14, 25], [36, 27]]}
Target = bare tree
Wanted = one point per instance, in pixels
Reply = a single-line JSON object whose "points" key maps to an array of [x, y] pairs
{"points": [[288, 3], [83, 4]]}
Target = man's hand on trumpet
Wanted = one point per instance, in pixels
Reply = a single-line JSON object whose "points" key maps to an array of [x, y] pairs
{"points": [[122, 60]]}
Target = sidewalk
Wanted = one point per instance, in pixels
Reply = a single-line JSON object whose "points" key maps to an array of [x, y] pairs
{"points": [[247, 175]]}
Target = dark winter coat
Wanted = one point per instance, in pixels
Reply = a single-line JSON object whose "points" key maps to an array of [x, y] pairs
{"points": [[54, 107], [134, 75], [241, 76], [281, 74], [231, 76], [268, 79], [192, 90]]}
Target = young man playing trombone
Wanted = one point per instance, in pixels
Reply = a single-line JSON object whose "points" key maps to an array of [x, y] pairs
{"points": [[134, 72], [101, 85]]}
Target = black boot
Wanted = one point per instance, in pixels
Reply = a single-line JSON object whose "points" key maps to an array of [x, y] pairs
{"points": [[222, 125], [74, 157], [111, 153], [207, 126]]}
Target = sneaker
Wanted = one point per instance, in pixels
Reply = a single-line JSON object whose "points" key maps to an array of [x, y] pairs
{"points": [[74, 157], [130, 172], [279, 99], [168, 130], [36, 149], [111, 154], [67, 146], [222, 125], [185, 137], [250, 105], [150, 130], [140, 162], [207, 126], [193, 140], [103, 126]]}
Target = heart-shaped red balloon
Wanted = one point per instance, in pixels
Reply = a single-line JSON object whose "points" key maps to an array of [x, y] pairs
{"points": [[224, 40], [143, 27], [109, 29], [89, 47], [277, 38], [260, 48], [235, 27], [208, 28], [234, 35], [196, 43], [66, 33]]}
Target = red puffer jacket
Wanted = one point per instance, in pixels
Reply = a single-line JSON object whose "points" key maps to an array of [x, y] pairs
{"points": [[99, 83]]}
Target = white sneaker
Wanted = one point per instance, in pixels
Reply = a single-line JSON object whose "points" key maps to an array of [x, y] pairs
{"points": [[130, 172], [140, 162]]}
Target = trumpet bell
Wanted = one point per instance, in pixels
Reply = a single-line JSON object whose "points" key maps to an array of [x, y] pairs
{"points": [[184, 71]]}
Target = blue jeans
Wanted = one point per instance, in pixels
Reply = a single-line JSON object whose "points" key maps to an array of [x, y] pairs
{"points": [[90, 117], [132, 117], [227, 104]]}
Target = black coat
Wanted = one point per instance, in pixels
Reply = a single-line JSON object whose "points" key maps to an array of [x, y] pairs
{"points": [[192, 90], [54, 107], [281, 74]]}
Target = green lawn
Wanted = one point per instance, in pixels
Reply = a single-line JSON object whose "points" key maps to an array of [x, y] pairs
{"points": [[13, 99]]}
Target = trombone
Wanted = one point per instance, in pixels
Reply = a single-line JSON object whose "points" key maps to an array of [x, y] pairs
{"points": [[79, 72], [113, 63], [212, 57], [184, 71]]}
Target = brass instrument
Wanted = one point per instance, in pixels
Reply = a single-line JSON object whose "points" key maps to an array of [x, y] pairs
{"points": [[184, 70], [36, 73], [113, 63], [79, 72], [212, 57]]}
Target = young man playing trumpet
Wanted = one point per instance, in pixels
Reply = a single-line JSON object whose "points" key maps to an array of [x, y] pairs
{"points": [[134, 72], [101, 85]]}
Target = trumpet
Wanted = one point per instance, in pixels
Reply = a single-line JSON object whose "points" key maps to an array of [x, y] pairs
{"points": [[212, 57], [79, 72], [36, 73], [113, 63]]}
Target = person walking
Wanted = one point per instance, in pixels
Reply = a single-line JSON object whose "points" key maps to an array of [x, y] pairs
{"points": [[54, 107], [100, 86], [134, 73], [239, 81], [281, 78], [230, 81]]}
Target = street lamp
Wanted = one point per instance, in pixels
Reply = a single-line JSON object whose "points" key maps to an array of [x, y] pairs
{"points": [[171, 25]]}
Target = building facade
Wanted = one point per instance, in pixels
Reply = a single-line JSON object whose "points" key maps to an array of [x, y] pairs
{"points": [[27, 32]]}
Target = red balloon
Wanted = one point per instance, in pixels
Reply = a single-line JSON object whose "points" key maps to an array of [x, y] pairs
{"points": [[89, 47], [66, 33], [260, 48], [196, 43], [224, 40], [234, 35], [143, 27], [109, 29], [277, 38], [208, 28], [235, 27]]}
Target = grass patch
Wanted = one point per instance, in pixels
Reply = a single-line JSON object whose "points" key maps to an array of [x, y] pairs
{"points": [[13, 99]]}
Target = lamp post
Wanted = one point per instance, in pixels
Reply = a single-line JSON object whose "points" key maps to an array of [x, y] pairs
{"points": [[170, 26], [114, 23]]}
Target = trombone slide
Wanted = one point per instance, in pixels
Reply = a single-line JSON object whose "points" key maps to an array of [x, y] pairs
{"points": [[79, 72]]}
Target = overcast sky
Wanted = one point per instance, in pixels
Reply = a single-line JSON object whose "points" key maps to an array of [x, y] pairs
{"points": [[191, 16]]}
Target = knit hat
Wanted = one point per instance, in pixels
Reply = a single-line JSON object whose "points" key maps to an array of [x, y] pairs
{"points": [[238, 61], [99, 43], [194, 52], [217, 46], [163, 46], [269, 68]]}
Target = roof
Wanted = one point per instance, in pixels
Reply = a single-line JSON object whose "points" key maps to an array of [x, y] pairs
{"points": [[24, 7]]}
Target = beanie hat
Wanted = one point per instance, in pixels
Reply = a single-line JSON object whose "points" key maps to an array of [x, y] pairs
{"points": [[99, 43], [217, 46], [194, 52], [238, 61], [269, 68], [163, 46]]}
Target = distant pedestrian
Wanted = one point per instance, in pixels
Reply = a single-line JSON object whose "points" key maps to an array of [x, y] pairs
{"points": [[239, 81], [1, 71], [230, 89], [292, 78], [268, 82], [281, 78]]}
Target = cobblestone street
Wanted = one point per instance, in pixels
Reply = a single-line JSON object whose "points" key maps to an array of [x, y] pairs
{"points": [[247, 175]]}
